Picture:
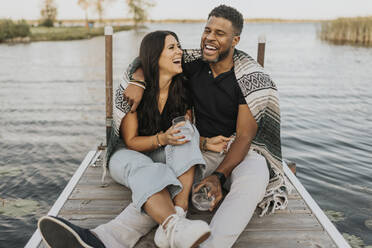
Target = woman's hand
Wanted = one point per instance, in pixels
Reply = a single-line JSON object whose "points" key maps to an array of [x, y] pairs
{"points": [[169, 137], [217, 143]]}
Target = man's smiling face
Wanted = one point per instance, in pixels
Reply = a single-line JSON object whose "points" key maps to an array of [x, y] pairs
{"points": [[218, 39]]}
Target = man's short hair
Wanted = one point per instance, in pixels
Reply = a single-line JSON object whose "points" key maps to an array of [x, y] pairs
{"points": [[231, 14]]}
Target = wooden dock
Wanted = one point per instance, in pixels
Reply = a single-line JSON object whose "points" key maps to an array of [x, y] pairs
{"points": [[85, 203]]}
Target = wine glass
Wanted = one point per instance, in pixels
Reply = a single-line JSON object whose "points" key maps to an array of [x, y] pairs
{"points": [[200, 198], [184, 125]]}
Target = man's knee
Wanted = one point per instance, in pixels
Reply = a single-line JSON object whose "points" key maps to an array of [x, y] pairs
{"points": [[250, 178], [251, 168]]}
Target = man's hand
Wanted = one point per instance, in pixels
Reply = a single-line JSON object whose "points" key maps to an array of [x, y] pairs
{"points": [[133, 95], [217, 144], [213, 183]]}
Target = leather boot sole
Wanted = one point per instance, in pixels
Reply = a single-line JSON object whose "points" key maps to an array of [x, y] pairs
{"points": [[57, 234]]}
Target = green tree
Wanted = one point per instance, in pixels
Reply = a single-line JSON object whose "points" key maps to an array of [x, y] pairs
{"points": [[139, 10], [48, 13], [99, 7], [85, 5]]}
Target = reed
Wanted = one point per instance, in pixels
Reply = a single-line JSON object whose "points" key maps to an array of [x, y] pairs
{"points": [[356, 31]]}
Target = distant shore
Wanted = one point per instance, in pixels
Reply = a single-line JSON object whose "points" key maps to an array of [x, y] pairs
{"points": [[70, 33], [130, 22], [356, 30], [64, 33], [77, 29]]}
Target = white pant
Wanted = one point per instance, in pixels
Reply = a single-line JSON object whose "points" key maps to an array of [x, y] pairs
{"points": [[247, 183]]}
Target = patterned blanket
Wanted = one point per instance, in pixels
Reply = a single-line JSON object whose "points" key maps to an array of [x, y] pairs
{"points": [[260, 93]]}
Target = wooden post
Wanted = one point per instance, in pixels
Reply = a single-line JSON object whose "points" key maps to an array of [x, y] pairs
{"points": [[261, 50], [108, 62]]}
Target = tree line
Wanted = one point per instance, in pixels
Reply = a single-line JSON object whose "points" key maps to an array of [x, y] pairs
{"points": [[138, 10]]}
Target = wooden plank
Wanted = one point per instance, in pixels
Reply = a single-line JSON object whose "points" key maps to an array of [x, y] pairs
{"points": [[94, 171], [270, 239], [96, 180], [276, 222], [111, 192], [84, 207], [284, 239]]}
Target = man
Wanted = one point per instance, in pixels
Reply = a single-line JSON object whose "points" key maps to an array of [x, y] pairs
{"points": [[231, 94]]}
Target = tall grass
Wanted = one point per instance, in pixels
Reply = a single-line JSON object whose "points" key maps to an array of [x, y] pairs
{"points": [[348, 31]]}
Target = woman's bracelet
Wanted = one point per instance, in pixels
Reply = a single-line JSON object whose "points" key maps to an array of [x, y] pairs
{"points": [[137, 84], [157, 139]]}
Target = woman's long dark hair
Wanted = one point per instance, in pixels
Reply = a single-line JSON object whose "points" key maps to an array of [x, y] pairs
{"points": [[149, 119]]}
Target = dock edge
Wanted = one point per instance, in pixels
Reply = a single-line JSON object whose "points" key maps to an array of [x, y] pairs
{"points": [[317, 211], [35, 239]]}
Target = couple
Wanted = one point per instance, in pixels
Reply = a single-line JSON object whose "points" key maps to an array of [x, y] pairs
{"points": [[230, 94]]}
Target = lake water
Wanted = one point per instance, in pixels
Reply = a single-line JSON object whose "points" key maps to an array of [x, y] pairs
{"points": [[52, 114]]}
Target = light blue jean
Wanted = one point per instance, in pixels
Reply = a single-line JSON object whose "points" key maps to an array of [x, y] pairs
{"points": [[148, 173]]}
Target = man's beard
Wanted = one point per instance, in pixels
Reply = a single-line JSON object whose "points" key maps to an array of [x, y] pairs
{"points": [[220, 57]]}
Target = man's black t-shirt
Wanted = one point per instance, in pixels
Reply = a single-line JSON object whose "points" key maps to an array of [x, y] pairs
{"points": [[216, 100]]}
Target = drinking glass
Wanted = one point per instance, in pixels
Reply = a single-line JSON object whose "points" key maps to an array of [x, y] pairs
{"points": [[200, 199], [185, 126]]}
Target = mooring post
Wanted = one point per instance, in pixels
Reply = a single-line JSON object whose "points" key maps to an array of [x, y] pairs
{"points": [[261, 50], [108, 62]]}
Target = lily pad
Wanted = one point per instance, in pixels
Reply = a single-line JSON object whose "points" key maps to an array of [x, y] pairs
{"points": [[17, 207], [10, 172], [335, 216], [354, 241], [368, 224]]}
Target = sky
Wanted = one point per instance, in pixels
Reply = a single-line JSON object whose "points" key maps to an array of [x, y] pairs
{"points": [[199, 9]]}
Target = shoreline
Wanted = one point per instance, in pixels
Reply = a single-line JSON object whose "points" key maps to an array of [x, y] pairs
{"points": [[130, 22], [63, 34]]}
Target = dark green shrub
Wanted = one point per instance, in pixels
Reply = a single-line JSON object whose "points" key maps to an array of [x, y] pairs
{"points": [[47, 23], [6, 29], [9, 29], [22, 29]]}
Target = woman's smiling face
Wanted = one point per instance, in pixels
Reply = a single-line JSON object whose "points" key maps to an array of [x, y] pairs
{"points": [[170, 60]]}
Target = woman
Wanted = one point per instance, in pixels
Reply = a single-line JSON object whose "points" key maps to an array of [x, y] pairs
{"points": [[161, 178], [152, 161]]}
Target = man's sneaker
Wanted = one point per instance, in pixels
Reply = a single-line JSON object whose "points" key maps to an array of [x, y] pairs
{"points": [[59, 233], [184, 233], [160, 238]]}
